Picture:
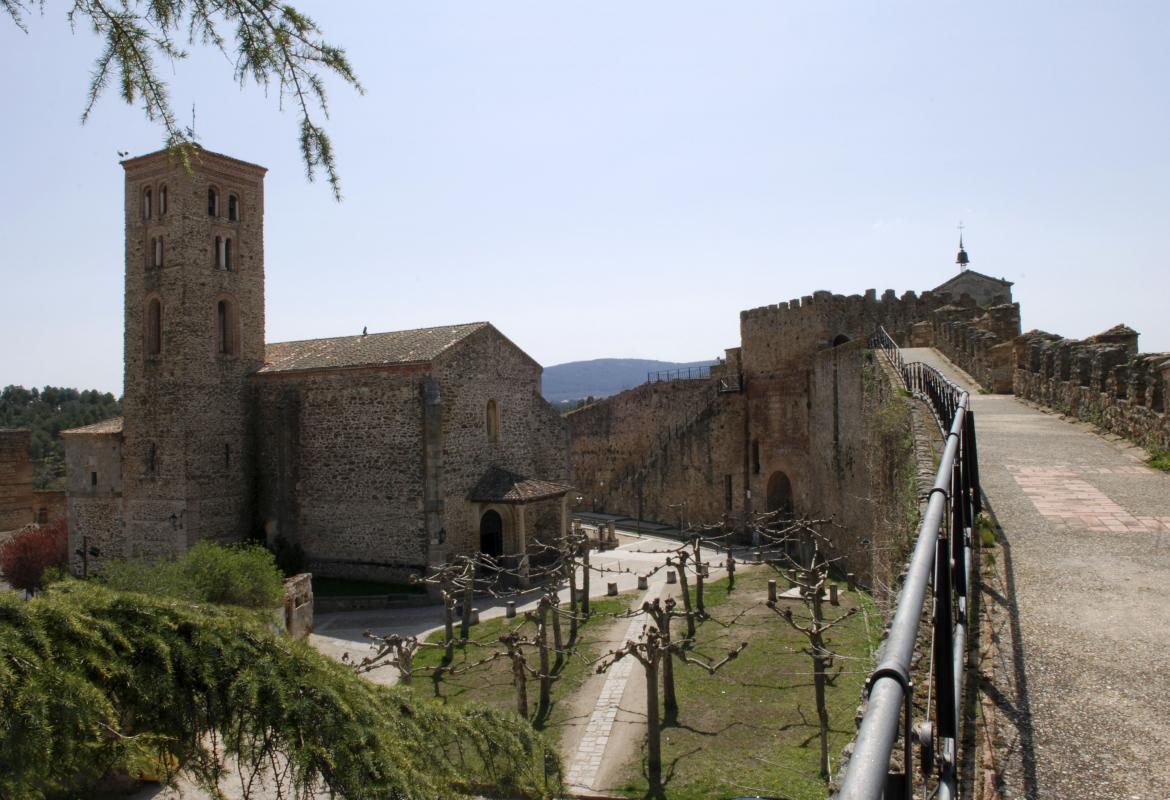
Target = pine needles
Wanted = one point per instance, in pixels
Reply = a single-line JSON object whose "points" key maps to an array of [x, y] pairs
{"points": [[94, 681]]}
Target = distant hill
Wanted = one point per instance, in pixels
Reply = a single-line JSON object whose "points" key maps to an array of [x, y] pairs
{"points": [[602, 377]]}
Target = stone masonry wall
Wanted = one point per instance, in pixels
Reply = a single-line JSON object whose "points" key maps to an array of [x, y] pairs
{"points": [[339, 469], [16, 489], [615, 440], [93, 486], [979, 341], [532, 439], [1102, 379], [861, 460]]}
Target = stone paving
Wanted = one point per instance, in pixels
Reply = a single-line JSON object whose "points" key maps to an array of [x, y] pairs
{"points": [[1081, 688], [581, 772]]}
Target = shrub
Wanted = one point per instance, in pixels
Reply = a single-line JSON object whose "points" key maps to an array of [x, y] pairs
{"points": [[93, 680], [28, 554], [236, 575]]}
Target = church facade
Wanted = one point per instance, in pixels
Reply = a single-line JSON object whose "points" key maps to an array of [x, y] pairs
{"points": [[377, 454]]}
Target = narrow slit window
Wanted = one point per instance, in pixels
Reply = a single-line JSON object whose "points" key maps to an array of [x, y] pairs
{"points": [[727, 498], [146, 210], [227, 253], [233, 208], [225, 324], [93, 479], [158, 251], [227, 456], [218, 258], [162, 200], [152, 460], [212, 203], [493, 421]]}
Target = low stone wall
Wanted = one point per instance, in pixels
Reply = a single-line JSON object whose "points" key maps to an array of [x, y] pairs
{"points": [[1102, 380]]}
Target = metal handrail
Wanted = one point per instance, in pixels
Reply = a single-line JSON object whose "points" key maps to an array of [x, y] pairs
{"points": [[941, 562]]}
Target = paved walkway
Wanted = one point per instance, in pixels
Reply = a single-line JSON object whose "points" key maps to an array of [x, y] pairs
{"points": [[1084, 698]]}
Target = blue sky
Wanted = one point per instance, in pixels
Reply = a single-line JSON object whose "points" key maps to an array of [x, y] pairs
{"points": [[621, 179]]}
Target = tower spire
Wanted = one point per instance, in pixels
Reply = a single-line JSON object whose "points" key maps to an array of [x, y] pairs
{"points": [[961, 259]]}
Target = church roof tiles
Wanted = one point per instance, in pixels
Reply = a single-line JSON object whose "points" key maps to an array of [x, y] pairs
{"points": [[367, 350]]}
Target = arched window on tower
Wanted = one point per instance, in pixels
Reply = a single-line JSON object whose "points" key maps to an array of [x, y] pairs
{"points": [[493, 421], [146, 205], [162, 200], [213, 202], [153, 327], [227, 253], [156, 245], [225, 328], [233, 208]]}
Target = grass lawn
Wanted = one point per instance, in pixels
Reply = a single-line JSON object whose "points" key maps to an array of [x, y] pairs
{"points": [[340, 587], [492, 683], [752, 727]]}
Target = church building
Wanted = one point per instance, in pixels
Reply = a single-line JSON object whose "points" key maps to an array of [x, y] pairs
{"points": [[378, 454]]}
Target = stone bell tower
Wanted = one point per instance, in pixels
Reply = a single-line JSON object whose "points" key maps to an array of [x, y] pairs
{"points": [[194, 332]]}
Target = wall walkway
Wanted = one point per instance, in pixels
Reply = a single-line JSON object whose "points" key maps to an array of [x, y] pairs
{"points": [[1083, 664]]}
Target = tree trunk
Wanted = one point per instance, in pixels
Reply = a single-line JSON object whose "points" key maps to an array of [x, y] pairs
{"points": [[585, 581], [405, 665], [448, 627], [822, 711], [653, 726], [681, 568], [699, 581], [669, 698], [558, 642], [521, 682], [465, 623], [542, 644], [572, 565]]}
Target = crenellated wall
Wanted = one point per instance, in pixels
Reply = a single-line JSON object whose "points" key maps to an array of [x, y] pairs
{"points": [[1102, 379]]}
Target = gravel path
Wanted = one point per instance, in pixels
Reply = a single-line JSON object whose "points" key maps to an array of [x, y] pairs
{"points": [[1083, 683]]}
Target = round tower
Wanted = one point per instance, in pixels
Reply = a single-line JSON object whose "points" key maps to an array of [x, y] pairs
{"points": [[194, 332]]}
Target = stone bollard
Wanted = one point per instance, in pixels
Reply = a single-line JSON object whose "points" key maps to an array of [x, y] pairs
{"points": [[852, 579], [611, 589], [511, 609], [833, 599], [792, 576], [612, 532], [772, 590], [672, 577], [643, 582], [474, 616], [759, 554]]}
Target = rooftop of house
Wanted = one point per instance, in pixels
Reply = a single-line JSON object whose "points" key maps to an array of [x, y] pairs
{"points": [[417, 346], [103, 428]]}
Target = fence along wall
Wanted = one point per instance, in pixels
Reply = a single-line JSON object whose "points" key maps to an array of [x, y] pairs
{"points": [[1102, 379]]}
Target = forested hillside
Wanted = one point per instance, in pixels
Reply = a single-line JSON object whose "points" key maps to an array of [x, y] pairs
{"points": [[47, 412], [603, 376]]}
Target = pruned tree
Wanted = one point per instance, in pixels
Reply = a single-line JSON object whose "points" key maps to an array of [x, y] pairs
{"points": [[812, 581], [269, 42], [651, 651]]}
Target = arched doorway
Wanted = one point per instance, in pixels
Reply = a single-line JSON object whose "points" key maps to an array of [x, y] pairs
{"points": [[840, 340], [779, 493], [491, 534]]}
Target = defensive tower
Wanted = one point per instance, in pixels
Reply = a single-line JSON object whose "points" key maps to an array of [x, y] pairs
{"points": [[194, 331]]}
